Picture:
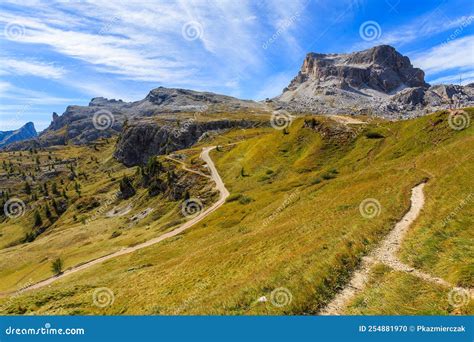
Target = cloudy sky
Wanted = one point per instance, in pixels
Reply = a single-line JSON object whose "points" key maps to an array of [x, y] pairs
{"points": [[58, 53]]}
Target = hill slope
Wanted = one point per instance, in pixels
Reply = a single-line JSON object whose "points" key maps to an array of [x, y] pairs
{"points": [[291, 229], [377, 80]]}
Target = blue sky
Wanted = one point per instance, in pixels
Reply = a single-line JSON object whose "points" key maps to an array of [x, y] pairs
{"points": [[58, 53]]}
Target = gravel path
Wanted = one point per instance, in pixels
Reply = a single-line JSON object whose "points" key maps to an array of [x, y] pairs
{"points": [[385, 253], [347, 120], [224, 193]]}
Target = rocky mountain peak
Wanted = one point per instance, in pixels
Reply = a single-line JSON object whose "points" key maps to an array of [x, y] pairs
{"points": [[25, 132], [380, 68], [379, 79], [102, 101]]}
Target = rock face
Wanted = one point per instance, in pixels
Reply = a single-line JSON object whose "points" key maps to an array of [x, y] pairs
{"points": [[103, 118], [378, 80], [141, 140], [181, 100], [381, 68], [28, 131]]}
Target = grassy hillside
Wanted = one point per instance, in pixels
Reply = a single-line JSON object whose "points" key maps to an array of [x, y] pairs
{"points": [[95, 221], [291, 229]]}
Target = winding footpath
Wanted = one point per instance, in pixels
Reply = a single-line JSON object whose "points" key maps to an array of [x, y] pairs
{"points": [[386, 253], [223, 194]]}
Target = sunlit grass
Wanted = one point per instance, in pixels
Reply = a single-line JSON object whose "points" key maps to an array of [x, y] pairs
{"points": [[244, 250]]}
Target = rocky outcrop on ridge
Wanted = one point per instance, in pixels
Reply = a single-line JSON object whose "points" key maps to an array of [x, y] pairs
{"points": [[146, 138], [378, 80]]}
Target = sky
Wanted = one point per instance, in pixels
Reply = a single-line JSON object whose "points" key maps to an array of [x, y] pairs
{"points": [[55, 54]]}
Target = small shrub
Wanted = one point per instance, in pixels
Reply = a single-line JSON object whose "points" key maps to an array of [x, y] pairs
{"points": [[374, 135], [245, 199], [115, 234], [126, 188], [38, 219], [328, 175], [57, 266], [233, 198], [239, 197]]}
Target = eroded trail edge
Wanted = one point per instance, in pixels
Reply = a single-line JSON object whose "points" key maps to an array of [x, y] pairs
{"points": [[223, 194], [385, 253]]}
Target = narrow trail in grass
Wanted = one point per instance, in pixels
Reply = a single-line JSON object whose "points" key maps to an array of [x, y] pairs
{"points": [[347, 120], [224, 193], [184, 167], [386, 253]]}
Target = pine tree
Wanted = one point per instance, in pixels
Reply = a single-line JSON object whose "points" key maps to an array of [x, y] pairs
{"points": [[47, 212], [27, 188], [54, 189], [38, 219], [126, 188], [57, 266], [77, 187]]}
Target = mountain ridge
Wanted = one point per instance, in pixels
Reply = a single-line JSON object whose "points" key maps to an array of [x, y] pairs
{"points": [[378, 81], [27, 131]]}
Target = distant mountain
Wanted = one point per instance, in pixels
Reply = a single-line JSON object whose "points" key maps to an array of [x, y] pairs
{"points": [[103, 118], [378, 80], [28, 131]]}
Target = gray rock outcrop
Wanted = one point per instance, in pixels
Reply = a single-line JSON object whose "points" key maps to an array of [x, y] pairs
{"points": [[103, 118], [146, 138], [378, 80]]}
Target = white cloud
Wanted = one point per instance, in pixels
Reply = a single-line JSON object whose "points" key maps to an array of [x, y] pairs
{"points": [[145, 42], [23, 96], [9, 65], [456, 54], [430, 24], [464, 77]]}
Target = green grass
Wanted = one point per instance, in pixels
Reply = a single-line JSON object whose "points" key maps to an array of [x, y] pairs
{"points": [[396, 293], [297, 227], [83, 232]]}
